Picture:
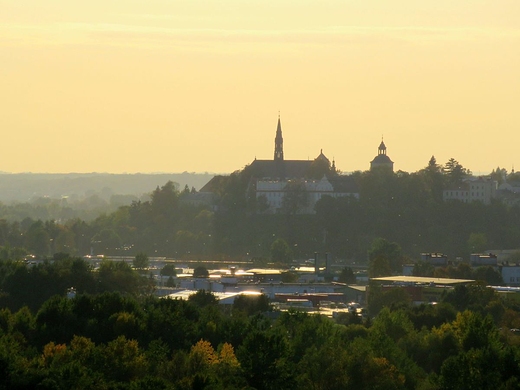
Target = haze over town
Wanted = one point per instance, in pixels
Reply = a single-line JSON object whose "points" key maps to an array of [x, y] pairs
{"points": [[109, 86]]}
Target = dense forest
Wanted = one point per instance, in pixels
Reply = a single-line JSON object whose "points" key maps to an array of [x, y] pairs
{"points": [[118, 335], [406, 208]]}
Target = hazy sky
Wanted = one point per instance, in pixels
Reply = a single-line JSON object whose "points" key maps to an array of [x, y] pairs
{"points": [[172, 86]]}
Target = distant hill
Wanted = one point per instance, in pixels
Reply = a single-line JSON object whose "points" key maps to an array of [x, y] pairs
{"points": [[22, 187]]}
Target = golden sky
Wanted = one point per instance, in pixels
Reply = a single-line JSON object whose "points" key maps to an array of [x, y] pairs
{"points": [[172, 86]]}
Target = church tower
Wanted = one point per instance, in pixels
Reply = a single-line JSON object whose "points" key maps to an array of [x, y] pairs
{"points": [[278, 142], [382, 160]]}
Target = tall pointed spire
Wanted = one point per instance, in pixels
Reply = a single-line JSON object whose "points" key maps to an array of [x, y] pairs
{"points": [[278, 142]]}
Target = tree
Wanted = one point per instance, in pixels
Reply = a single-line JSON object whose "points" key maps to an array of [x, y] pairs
{"points": [[170, 282], [141, 261], [168, 270], [127, 362], [262, 204], [289, 277], [379, 298], [117, 276], [434, 179], [423, 268], [489, 275], [280, 251], [295, 197], [379, 266], [347, 276], [200, 272], [477, 242], [433, 166], [203, 298], [499, 175], [455, 172], [390, 251], [252, 304], [37, 239]]}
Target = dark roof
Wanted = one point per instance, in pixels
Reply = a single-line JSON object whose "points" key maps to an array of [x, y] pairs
{"points": [[214, 184], [322, 157], [381, 159], [285, 169]]}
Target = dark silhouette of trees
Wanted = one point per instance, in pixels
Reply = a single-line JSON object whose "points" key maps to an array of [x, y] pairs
{"points": [[141, 261], [383, 251], [200, 272], [280, 251], [347, 276], [111, 340], [295, 197], [455, 172], [168, 270]]}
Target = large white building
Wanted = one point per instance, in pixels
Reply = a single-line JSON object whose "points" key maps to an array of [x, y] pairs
{"points": [[478, 189], [274, 192]]}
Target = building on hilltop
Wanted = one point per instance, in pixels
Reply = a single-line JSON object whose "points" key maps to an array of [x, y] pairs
{"points": [[272, 193], [382, 160], [294, 186], [281, 169], [277, 184], [509, 192], [480, 189]]}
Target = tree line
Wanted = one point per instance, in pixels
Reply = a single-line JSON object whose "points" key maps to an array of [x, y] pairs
{"points": [[138, 341], [401, 207]]}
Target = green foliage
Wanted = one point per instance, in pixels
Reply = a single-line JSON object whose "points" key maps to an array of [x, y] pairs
{"points": [[170, 282], [169, 270], [203, 298], [477, 242], [141, 261], [422, 268], [115, 341], [455, 172], [379, 298], [251, 304], [295, 197], [289, 277], [118, 276], [200, 272], [379, 266], [347, 276], [488, 275], [401, 207], [390, 251], [46, 278], [280, 251]]}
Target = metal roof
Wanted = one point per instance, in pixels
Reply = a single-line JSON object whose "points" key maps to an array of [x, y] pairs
{"points": [[421, 279]]}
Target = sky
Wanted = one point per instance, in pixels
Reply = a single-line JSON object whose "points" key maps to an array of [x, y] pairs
{"points": [[172, 86]]}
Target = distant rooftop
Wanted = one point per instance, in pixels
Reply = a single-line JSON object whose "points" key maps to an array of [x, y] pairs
{"points": [[420, 279]]}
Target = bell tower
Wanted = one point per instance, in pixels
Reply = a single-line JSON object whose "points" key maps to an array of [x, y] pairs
{"points": [[278, 142]]}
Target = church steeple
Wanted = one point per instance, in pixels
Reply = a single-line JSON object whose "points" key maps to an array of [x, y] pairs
{"points": [[382, 147], [278, 142], [382, 160]]}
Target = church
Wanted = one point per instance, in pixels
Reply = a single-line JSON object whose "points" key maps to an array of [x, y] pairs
{"points": [[276, 181], [281, 185], [281, 169], [382, 160]]}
